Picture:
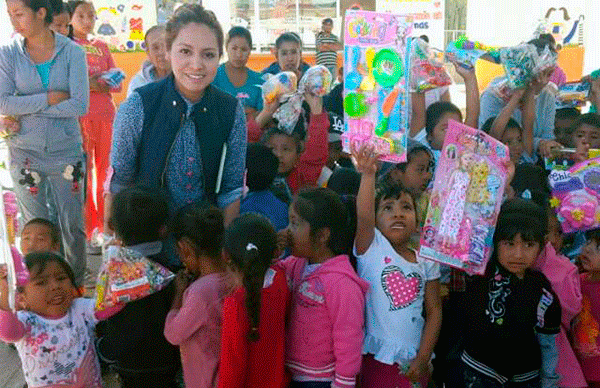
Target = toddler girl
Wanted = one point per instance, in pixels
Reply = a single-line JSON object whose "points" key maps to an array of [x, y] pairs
{"points": [[399, 338], [325, 328], [194, 322], [55, 330], [513, 315], [252, 342]]}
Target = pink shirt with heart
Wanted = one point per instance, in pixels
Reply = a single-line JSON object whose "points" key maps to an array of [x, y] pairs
{"points": [[394, 303]]}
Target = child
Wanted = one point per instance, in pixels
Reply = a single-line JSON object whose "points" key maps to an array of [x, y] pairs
{"points": [[156, 67], [288, 53], [415, 173], [325, 328], [96, 126], [586, 135], [512, 136], [564, 278], [253, 336], [590, 288], [54, 333], [404, 311], [132, 342], [261, 169], [194, 322], [563, 122], [60, 19], [40, 235], [513, 315], [303, 153]]}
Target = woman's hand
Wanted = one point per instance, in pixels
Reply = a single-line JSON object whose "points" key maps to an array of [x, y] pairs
{"points": [[4, 303], [314, 102], [56, 97], [365, 158], [98, 85], [9, 125]]}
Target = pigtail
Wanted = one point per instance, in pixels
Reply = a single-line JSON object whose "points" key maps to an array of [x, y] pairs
{"points": [[253, 281]]}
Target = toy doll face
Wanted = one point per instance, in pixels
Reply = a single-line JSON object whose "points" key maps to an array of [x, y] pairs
{"points": [[436, 139], [286, 150], [517, 255], [84, 19], [37, 238], [590, 256], [50, 292], [396, 218], [513, 140]]}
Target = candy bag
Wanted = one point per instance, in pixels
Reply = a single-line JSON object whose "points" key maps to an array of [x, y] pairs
{"points": [[278, 86], [427, 68], [317, 81], [113, 77], [519, 64], [126, 276]]}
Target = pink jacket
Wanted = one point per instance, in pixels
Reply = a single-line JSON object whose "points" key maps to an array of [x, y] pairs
{"points": [[564, 277], [326, 325]]}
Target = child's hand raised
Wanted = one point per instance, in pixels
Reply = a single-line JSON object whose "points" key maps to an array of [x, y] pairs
{"points": [[365, 159]]}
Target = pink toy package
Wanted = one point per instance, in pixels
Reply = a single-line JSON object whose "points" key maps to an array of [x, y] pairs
{"points": [[376, 82], [576, 196], [466, 198]]}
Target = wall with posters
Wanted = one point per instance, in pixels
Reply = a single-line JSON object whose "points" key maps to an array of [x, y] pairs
{"points": [[122, 23], [428, 15]]}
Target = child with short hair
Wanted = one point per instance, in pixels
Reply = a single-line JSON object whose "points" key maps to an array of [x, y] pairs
{"points": [[563, 123], [194, 321], [590, 289], [54, 333], [61, 19], [326, 324], [132, 341], [40, 235], [513, 315], [512, 136], [404, 311], [253, 335], [261, 169], [585, 135], [414, 174]]}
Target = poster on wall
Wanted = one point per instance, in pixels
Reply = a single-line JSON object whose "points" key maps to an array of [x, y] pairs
{"points": [[564, 19], [428, 17], [123, 23]]}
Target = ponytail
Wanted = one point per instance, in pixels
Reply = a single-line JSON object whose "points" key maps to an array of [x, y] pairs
{"points": [[254, 273]]}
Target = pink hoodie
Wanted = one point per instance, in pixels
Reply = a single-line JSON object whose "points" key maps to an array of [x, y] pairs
{"points": [[326, 325], [564, 277]]}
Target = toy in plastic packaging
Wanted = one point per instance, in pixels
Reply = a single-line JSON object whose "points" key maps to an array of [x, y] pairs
{"points": [[377, 82], [126, 276], [572, 95], [576, 196], [523, 62], [465, 201], [279, 86], [563, 158], [427, 68], [113, 77], [586, 331], [466, 52], [316, 81]]}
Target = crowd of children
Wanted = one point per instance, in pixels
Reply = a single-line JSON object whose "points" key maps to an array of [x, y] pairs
{"points": [[309, 276]]}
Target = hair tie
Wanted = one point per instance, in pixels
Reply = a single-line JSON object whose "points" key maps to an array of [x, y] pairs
{"points": [[251, 247], [526, 194]]}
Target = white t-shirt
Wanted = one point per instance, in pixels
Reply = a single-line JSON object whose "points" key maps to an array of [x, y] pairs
{"points": [[394, 303]]}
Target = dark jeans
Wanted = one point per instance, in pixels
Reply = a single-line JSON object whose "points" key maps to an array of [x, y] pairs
{"points": [[474, 379], [310, 384]]}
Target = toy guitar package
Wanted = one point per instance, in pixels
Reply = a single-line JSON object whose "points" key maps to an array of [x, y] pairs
{"points": [[377, 82], [576, 196], [126, 276], [465, 201]]}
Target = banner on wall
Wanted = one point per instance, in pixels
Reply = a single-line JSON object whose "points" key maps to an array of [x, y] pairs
{"points": [[123, 23], [428, 17]]}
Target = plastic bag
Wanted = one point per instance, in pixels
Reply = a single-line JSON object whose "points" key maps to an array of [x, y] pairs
{"points": [[466, 52], [523, 62], [279, 86], [113, 77], [427, 68], [572, 94], [317, 81], [126, 276]]}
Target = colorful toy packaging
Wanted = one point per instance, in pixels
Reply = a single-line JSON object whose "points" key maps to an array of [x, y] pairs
{"points": [[126, 276], [576, 196], [562, 159], [376, 82], [465, 201], [279, 86], [467, 52], [316, 81], [572, 95], [113, 77], [427, 68], [523, 62]]}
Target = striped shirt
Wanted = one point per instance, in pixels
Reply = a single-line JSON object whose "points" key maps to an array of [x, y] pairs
{"points": [[326, 58]]}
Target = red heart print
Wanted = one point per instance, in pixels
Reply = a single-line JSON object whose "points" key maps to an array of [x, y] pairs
{"points": [[387, 260]]}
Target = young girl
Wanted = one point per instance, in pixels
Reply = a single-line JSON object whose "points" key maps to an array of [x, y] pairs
{"points": [[590, 288], [288, 53], [399, 342], [96, 126], [253, 335], [325, 328], [55, 331], [194, 322], [61, 20], [415, 173], [513, 315]]}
